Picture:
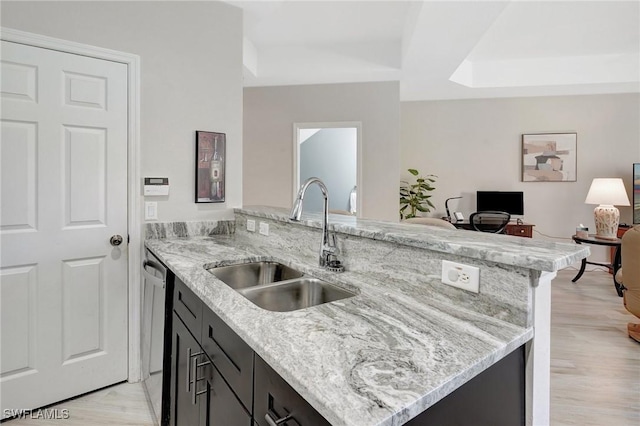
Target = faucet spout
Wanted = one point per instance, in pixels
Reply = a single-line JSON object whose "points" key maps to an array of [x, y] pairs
{"points": [[327, 247]]}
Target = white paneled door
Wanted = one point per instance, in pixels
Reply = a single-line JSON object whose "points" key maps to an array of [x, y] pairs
{"points": [[63, 286]]}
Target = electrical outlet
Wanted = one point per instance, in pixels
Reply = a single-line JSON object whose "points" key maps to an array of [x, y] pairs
{"points": [[251, 225], [460, 275], [264, 228]]}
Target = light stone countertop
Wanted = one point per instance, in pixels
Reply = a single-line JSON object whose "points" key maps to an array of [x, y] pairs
{"points": [[379, 358], [541, 255]]}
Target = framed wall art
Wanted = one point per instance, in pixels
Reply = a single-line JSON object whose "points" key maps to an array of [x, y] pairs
{"points": [[210, 166], [549, 157]]}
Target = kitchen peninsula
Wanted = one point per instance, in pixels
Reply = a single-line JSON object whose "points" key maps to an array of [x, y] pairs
{"points": [[405, 341]]}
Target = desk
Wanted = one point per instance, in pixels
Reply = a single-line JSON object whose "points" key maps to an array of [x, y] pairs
{"points": [[613, 266], [513, 228]]}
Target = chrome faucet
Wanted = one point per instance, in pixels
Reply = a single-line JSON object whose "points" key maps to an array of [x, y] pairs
{"points": [[328, 245]]}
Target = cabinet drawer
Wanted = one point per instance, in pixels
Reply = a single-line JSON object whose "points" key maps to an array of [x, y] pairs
{"points": [[188, 306], [520, 230], [276, 399], [230, 354]]}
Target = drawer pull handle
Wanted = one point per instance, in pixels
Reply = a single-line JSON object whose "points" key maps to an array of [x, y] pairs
{"points": [[189, 357], [278, 422], [194, 365]]}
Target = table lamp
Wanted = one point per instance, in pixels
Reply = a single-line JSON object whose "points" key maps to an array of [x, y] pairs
{"points": [[607, 192]]}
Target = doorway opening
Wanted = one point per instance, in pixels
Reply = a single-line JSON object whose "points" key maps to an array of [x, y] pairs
{"points": [[331, 152]]}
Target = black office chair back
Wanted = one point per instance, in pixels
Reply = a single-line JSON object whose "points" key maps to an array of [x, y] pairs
{"points": [[490, 221]]}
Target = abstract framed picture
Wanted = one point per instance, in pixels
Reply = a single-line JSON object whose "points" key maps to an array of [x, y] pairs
{"points": [[210, 167], [549, 157]]}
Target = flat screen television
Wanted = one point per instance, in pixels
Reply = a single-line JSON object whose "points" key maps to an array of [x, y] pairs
{"points": [[636, 193], [511, 202]]}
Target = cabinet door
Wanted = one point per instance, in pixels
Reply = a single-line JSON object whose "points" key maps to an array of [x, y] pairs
{"points": [[274, 398], [230, 354], [188, 306], [223, 408], [184, 347]]}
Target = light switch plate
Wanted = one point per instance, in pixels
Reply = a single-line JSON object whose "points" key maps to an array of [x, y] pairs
{"points": [[151, 210], [251, 225], [460, 275], [264, 228]]}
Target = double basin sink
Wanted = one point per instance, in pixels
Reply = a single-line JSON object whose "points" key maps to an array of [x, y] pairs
{"points": [[277, 287]]}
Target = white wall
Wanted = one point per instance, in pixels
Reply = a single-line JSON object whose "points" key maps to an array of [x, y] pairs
{"points": [[191, 79], [269, 114], [476, 145]]}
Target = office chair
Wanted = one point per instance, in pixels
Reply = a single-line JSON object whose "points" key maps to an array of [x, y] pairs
{"points": [[490, 221]]}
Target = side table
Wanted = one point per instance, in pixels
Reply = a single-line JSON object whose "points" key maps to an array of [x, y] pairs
{"points": [[613, 266]]}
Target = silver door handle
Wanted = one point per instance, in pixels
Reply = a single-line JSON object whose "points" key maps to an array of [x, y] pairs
{"points": [[116, 240]]}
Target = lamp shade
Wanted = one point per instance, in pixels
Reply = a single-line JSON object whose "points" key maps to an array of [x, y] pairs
{"points": [[608, 191]]}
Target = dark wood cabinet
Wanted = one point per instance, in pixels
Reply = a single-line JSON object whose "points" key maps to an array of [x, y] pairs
{"points": [[217, 380], [495, 397], [223, 408], [231, 356], [212, 374], [188, 306], [184, 351], [277, 401], [199, 394]]}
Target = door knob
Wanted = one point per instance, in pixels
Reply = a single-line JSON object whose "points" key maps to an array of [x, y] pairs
{"points": [[116, 240]]}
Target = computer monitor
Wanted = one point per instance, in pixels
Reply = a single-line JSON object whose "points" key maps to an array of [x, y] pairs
{"points": [[511, 202]]}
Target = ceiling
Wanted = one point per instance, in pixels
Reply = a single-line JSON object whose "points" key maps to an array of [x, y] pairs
{"points": [[446, 49]]}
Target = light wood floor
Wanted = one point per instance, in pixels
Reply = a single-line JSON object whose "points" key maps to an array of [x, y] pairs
{"points": [[120, 405], [595, 367]]}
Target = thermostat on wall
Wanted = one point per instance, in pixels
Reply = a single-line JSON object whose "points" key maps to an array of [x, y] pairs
{"points": [[156, 186]]}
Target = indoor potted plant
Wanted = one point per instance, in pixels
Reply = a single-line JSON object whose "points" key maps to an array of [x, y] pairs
{"points": [[415, 196]]}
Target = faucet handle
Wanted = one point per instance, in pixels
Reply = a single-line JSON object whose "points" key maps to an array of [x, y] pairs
{"points": [[329, 249], [333, 241]]}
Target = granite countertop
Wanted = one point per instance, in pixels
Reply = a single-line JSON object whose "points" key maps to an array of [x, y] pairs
{"points": [[541, 255], [378, 358]]}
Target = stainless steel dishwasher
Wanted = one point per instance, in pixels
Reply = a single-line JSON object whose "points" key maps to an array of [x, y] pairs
{"points": [[152, 334]]}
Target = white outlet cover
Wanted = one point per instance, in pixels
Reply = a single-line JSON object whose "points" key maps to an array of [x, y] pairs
{"points": [[150, 210], [462, 276], [264, 228], [251, 225]]}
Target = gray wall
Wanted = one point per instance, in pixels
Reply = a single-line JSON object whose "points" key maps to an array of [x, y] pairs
{"points": [[191, 79], [476, 145], [330, 155], [269, 114]]}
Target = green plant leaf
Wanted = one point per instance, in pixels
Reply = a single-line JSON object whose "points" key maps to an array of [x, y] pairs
{"points": [[415, 195]]}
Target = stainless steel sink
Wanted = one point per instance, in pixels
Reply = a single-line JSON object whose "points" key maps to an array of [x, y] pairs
{"points": [[254, 274], [294, 294]]}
